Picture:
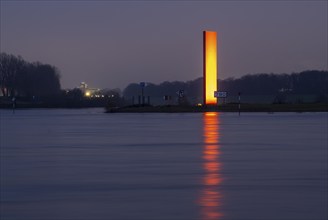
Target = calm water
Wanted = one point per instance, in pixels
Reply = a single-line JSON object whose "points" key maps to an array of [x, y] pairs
{"points": [[87, 165]]}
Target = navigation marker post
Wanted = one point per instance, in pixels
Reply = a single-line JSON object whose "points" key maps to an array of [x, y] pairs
{"points": [[239, 94], [142, 85]]}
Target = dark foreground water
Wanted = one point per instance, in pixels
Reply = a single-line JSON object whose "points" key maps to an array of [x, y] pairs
{"points": [[86, 165]]}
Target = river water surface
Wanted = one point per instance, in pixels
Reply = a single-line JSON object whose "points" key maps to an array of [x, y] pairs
{"points": [[87, 165]]}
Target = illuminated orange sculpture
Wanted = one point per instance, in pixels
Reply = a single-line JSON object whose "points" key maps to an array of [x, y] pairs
{"points": [[210, 67]]}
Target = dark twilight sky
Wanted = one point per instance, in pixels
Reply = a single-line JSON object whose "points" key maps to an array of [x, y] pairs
{"points": [[109, 44]]}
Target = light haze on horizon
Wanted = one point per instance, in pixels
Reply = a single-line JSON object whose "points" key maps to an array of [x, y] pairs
{"points": [[109, 44]]}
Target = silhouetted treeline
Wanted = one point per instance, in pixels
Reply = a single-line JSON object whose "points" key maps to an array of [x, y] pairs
{"points": [[307, 83], [38, 84], [313, 83], [191, 89], [70, 98], [21, 78]]}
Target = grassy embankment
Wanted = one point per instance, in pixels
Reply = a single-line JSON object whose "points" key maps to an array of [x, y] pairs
{"points": [[306, 107]]}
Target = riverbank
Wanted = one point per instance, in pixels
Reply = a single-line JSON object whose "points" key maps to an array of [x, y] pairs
{"points": [[230, 107], [83, 103], [307, 107]]}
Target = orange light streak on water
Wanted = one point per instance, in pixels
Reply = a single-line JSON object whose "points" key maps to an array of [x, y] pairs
{"points": [[211, 198]]}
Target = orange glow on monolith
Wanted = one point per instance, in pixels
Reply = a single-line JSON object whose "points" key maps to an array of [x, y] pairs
{"points": [[210, 67]]}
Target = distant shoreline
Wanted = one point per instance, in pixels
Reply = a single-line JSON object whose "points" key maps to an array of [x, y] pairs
{"points": [[229, 107], [313, 107]]}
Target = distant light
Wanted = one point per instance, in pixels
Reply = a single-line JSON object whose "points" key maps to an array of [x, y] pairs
{"points": [[199, 104], [102, 96], [87, 94]]}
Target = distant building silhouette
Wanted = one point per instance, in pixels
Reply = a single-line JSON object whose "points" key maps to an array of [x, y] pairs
{"points": [[89, 92]]}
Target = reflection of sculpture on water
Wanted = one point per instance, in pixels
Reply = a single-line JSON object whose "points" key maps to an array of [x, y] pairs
{"points": [[211, 198]]}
